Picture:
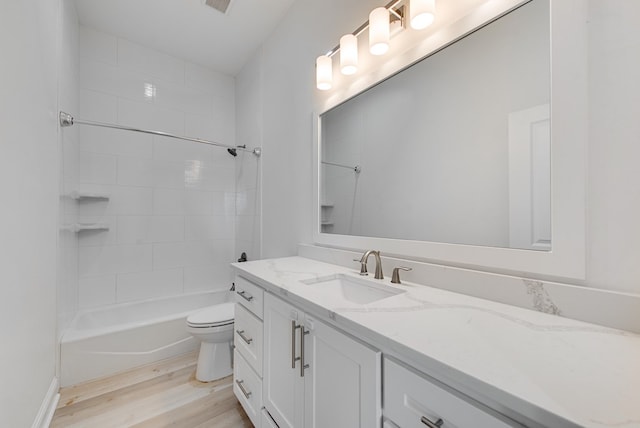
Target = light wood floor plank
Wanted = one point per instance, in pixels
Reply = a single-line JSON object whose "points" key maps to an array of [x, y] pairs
{"points": [[84, 391], [162, 395]]}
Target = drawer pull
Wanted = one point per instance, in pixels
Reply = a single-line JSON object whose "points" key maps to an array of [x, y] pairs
{"points": [[294, 327], [246, 296], [246, 393], [303, 366], [427, 422], [247, 340]]}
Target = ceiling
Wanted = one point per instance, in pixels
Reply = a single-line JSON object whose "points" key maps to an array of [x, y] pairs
{"points": [[189, 29]]}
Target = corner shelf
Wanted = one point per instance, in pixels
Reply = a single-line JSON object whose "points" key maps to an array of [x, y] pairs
{"points": [[88, 195], [81, 227]]}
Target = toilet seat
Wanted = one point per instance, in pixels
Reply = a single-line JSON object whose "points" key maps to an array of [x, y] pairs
{"points": [[213, 316]]}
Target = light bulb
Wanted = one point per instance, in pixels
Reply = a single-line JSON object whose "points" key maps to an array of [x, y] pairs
{"points": [[348, 54], [324, 72], [379, 31], [421, 13]]}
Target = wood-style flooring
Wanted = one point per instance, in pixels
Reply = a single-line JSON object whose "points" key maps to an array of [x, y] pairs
{"points": [[164, 394]]}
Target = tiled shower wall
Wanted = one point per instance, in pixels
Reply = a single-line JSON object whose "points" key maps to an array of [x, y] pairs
{"points": [[171, 210]]}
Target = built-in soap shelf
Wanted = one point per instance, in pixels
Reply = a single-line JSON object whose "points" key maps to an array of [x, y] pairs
{"points": [[325, 214], [81, 227], [77, 195]]}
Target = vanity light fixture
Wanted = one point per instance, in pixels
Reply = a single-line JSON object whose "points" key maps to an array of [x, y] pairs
{"points": [[379, 31], [348, 54], [421, 13], [382, 23], [324, 72]]}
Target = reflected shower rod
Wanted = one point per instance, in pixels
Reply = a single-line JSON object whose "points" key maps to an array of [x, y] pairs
{"points": [[67, 120], [356, 168]]}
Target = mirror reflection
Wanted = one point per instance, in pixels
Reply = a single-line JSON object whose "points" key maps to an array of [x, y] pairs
{"points": [[454, 149]]}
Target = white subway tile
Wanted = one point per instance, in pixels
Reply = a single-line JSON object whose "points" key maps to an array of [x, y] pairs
{"points": [[145, 285], [115, 81], [202, 253], [135, 114], [97, 168], [246, 202], [168, 120], [146, 229], [96, 45], [203, 79], [170, 149], [180, 97], [217, 276], [199, 228], [116, 142], [123, 200], [168, 255], [201, 126], [198, 203], [168, 202], [137, 57], [134, 171], [98, 107], [96, 291], [112, 259], [168, 174], [224, 203], [248, 228]]}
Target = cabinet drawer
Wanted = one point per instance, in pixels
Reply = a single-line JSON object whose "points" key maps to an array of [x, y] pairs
{"points": [[248, 337], [411, 401], [247, 387], [249, 295]]}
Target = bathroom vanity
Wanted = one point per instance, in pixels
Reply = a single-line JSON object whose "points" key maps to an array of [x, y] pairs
{"points": [[319, 345]]}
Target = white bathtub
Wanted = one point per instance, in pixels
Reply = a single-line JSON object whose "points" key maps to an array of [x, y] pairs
{"points": [[112, 339]]}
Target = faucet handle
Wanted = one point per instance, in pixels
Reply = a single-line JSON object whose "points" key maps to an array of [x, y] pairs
{"points": [[363, 266], [395, 277]]}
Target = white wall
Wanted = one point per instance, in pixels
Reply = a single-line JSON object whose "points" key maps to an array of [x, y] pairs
{"points": [[172, 202], [32, 48], [289, 99]]}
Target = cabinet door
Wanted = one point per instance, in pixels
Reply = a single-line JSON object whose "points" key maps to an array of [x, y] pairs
{"points": [[342, 382], [283, 387]]}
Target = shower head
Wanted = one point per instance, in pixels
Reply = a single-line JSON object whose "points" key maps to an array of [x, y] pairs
{"points": [[233, 152]]}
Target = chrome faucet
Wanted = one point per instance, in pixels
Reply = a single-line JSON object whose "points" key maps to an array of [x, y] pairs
{"points": [[363, 264]]}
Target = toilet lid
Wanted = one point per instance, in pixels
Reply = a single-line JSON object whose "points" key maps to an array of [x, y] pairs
{"points": [[217, 314]]}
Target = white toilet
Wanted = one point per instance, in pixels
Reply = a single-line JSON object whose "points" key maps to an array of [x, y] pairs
{"points": [[213, 326]]}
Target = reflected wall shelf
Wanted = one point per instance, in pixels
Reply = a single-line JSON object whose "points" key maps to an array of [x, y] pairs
{"points": [[89, 195], [81, 227]]}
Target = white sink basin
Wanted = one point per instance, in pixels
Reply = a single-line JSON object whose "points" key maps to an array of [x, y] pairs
{"points": [[354, 290]]}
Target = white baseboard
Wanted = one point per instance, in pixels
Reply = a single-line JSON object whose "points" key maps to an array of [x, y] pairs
{"points": [[48, 407]]}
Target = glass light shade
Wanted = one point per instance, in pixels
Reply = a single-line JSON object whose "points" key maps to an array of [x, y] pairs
{"points": [[421, 13], [379, 31], [348, 54], [324, 72]]}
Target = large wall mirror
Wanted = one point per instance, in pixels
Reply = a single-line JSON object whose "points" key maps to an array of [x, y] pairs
{"points": [[454, 149], [460, 156]]}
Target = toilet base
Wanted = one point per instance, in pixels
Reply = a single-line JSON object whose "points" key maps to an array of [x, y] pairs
{"points": [[214, 361]]}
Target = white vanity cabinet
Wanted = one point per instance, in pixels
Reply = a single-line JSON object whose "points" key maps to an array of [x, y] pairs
{"points": [[413, 401], [248, 331], [315, 376]]}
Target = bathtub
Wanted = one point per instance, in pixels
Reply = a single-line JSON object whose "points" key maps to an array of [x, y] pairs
{"points": [[108, 340]]}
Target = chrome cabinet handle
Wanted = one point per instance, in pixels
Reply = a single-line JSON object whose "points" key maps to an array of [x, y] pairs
{"points": [[246, 296], [248, 340], [294, 327], [427, 422], [303, 366], [246, 393]]}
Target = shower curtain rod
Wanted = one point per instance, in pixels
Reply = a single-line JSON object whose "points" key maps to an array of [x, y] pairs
{"points": [[67, 120], [356, 168]]}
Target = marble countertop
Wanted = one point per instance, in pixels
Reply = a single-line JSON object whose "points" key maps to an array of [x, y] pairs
{"points": [[532, 366]]}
